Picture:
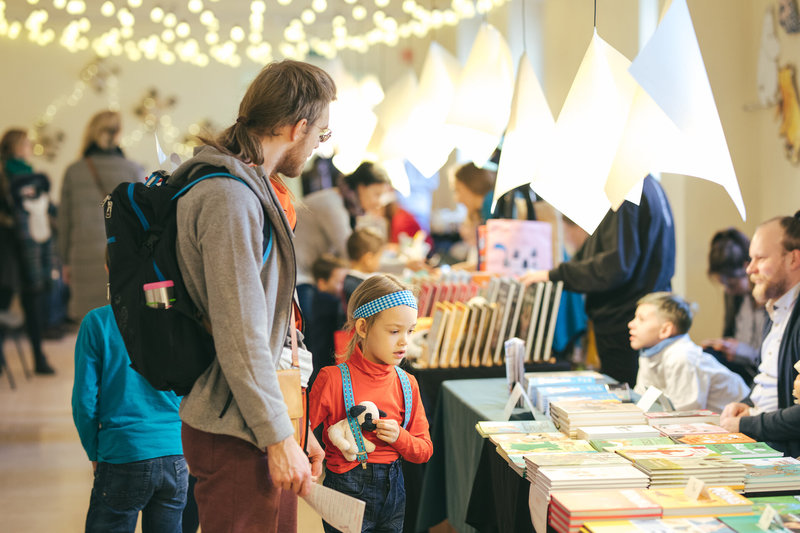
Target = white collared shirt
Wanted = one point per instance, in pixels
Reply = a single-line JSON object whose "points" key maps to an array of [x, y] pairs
{"points": [[765, 391]]}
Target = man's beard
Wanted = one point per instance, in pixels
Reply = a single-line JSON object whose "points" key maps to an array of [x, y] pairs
{"points": [[292, 163], [770, 289]]}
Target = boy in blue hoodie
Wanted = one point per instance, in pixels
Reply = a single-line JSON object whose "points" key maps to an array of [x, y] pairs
{"points": [[131, 433]]}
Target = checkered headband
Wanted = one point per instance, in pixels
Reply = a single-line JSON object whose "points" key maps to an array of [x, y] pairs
{"points": [[385, 302]]}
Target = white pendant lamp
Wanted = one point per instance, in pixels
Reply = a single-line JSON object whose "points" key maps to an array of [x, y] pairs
{"points": [[529, 132], [587, 135], [393, 131], [482, 102], [430, 147], [671, 69]]}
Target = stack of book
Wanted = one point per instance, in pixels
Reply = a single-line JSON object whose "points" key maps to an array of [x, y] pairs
{"points": [[570, 509], [682, 417], [675, 473], [705, 524], [774, 474], [583, 478], [577, 391], [787, 508], [714, 501], [616, 432], [535, 461], [609, 445], [493, 427], [525, 438], [677, 431], [514, 451], [568, 415], [754, 450]]}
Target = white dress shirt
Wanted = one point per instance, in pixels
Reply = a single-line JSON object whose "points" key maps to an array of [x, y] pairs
{"points": [[765, 391]]}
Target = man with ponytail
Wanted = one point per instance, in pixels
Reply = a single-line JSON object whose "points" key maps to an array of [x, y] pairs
{"points": [[769, 413], [237, 434]]}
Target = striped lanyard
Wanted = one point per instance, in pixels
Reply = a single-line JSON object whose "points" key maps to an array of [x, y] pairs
{"points": [[347, 391]]}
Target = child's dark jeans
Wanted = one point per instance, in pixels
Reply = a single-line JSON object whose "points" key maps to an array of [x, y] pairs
{"points": [[383, 489]]}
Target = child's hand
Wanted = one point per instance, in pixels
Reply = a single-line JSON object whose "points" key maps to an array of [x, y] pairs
{"points": [[388, 430]]}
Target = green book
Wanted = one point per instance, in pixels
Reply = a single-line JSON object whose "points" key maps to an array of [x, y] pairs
{"points": [[745, 450], [609, 445]]}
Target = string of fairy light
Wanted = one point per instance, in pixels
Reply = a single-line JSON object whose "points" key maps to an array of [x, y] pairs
{"points": [[201, 37]]}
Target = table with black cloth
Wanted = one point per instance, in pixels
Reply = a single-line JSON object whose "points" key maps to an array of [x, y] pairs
{"points": [[449, 475], [430, 383]]}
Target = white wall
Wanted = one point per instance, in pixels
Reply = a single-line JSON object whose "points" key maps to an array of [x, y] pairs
{"points": [[557, 33]]}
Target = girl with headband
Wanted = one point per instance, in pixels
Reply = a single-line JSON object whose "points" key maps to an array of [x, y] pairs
{"points": [[382, 314]]}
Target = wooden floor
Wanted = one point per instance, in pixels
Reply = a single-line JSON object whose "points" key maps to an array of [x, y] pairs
{"points": [[45, 476]]}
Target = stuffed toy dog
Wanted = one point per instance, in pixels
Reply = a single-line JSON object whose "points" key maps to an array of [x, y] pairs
{"points": [[341, 435]]}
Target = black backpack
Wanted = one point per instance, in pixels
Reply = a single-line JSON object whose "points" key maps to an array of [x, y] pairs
{"points": [[171, 347]]}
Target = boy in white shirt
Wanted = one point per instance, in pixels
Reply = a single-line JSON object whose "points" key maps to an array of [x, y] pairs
{"points": [[671, 362]]}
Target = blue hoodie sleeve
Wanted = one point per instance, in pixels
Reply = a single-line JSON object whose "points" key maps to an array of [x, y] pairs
{"points": [[86, 387]]}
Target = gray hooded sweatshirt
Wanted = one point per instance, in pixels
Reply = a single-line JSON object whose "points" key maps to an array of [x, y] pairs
{"points": [[220, 251]]}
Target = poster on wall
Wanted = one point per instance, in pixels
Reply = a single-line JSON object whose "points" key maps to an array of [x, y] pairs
{"points": [[515, 246], [790, 112]]}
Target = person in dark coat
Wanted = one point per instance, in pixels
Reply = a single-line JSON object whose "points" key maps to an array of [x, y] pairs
{"points": [[29, 193], [630, 254]]}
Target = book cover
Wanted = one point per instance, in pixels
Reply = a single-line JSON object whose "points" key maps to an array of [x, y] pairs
{"points": [[716, 501], [613, 502], [698, 428], [659, 525], [487, 315], [520, 448], [460, 316], [491, 427], [472, 327], [682, 417], [424, 300], [516, 310], [515, 246], [447, 334], [493, 335], [523, 438], [435, 334], [529, 316], [502, 325], [716, 438], [634, 453], [604, 445], [584, 459], [770, 470], [617, 431], [542, 392], [552, 319], [541, 323]]}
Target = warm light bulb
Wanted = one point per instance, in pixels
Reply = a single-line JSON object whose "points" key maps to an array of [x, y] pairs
{"points": [[135, 3], [319, 5], [237, 34], [195, 6], [156, 14], [258, 6], [308, 16], [76, 7], [170, 20], [183, 30], [359, 12]]}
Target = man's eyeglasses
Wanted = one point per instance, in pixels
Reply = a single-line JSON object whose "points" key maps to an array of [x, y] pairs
{"points": [[324, 135]]}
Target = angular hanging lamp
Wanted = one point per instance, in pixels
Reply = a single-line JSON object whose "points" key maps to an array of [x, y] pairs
{"points": [[587, 135], [670, 69], [529, 132], [482, 102], [430, 147]]}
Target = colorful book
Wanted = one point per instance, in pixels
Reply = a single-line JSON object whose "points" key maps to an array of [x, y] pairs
{"points": [[659, 525], [715, 501], [634, 453], [605, 445], [697, 428], [614, 432], [493, 427], [716, 438], [747, 450], [682, 417]]}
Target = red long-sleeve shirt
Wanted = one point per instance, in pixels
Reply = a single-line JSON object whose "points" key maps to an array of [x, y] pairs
{"points": [[379, 384]]}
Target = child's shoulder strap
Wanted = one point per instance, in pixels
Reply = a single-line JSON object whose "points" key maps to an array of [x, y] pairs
{"points": [[347, 392], [408, 398]]}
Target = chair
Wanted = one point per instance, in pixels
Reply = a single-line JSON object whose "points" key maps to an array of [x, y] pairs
{"points": [[12, 326]]}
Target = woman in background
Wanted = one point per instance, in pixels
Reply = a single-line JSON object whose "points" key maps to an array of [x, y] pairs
{"points": [[473, 187], [30, 195], [739, 347], [81, 226]]}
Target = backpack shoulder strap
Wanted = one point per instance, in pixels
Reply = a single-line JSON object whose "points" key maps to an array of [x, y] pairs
{"points": [[267, 229], [407, 397], [347, 391]]}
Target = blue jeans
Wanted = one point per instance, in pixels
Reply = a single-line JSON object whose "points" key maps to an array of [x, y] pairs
{"points": [[381, 487], [156, 487]]}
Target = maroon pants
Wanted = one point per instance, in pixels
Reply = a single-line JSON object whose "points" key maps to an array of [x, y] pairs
{"points": [[234, 490]]}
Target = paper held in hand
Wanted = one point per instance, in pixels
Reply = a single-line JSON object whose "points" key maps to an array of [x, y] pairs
{"points": [[343, 512]]}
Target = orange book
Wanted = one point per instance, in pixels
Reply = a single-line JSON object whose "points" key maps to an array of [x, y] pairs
{"points": [[718, 438]]}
